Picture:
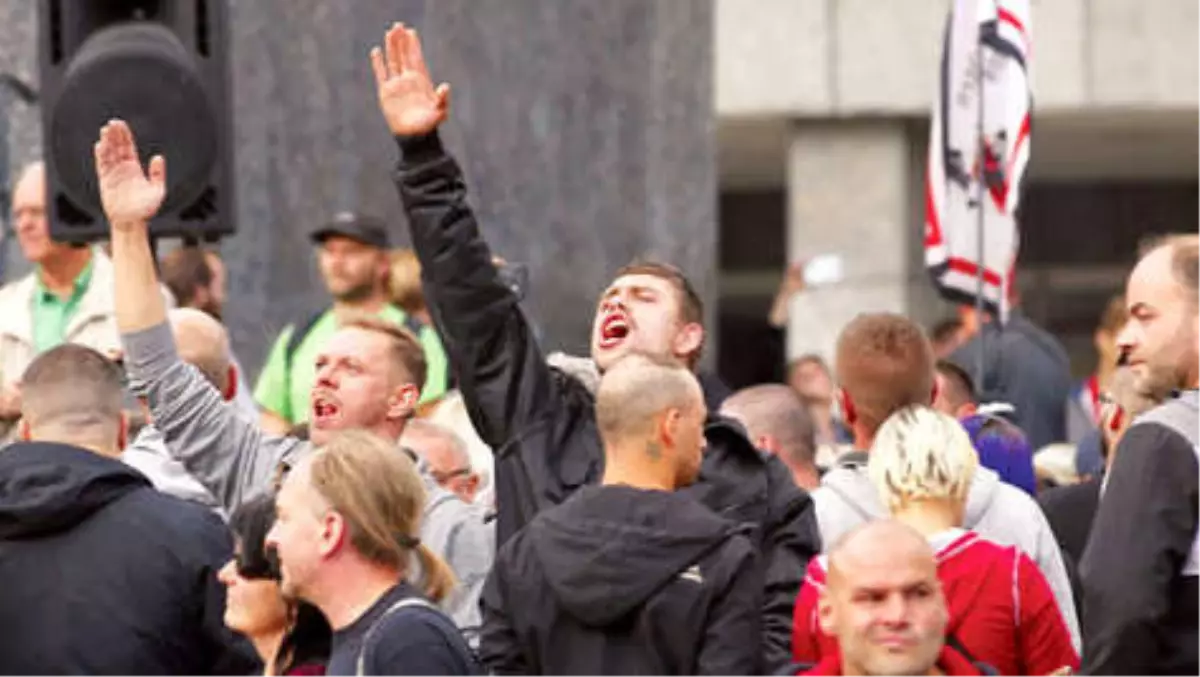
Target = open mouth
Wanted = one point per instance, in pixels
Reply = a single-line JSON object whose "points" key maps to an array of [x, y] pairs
{"points": [[613, 330], [325, 411]]}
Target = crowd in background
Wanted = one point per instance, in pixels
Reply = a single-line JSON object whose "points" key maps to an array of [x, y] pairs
{"points": [[412, 485]]}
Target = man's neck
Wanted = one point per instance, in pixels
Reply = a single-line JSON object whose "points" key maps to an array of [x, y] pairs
{"points": [[628, 465], [863, 440], [370, 305], [59, 272], [352, 591], [806, 478]]}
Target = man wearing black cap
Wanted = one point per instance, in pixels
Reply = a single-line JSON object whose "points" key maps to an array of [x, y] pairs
{"points": [[352, 254]]}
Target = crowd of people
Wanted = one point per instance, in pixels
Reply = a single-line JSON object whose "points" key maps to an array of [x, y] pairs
{"points": [[414, 486]]}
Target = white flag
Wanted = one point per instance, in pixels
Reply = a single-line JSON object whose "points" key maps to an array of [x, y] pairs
{"points": [[978, 151]]}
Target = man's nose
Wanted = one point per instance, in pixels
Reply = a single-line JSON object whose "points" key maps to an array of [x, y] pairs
{"points": [[894, 611]]}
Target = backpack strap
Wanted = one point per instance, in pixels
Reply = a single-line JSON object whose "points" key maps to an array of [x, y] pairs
{"points": [[455, 638]]}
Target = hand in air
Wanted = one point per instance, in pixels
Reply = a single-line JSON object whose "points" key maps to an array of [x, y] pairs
{"points": [[130, 196], [410, 103]]}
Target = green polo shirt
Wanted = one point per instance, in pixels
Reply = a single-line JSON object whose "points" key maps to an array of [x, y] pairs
{"points": [[289, 398], [52, 314]]}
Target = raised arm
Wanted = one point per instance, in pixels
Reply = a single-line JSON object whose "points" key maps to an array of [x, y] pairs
{"points": [[500, 368], [227, 454]]}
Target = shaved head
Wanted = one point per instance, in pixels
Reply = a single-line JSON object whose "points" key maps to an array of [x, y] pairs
{"points": [[883, 601], [776, 411], [203, 343], [636, 390], [73, 395]]}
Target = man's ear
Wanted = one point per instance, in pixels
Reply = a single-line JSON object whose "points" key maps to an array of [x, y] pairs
{"points": [[934, 391], [231, 383], [769, 444], [848, 412], [123, 431], [825, 615], [403, 402], [668, 426], [23, 430], [333, 532], [688, 340], [966, 411]]}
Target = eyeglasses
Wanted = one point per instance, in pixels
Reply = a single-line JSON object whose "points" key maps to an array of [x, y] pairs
{"points": [[445, 476]]}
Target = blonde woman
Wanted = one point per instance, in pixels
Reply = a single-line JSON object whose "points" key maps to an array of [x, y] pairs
{"points": [[1002, 611]]}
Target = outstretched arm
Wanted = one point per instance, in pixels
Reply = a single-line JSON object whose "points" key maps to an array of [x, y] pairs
{"points": [[500, 368], [227, 454]]}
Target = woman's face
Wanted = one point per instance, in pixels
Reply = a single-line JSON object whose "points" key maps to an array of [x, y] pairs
{"points": [[253, 606]]}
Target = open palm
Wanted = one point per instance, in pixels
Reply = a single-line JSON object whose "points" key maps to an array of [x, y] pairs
{"points": [[129, 195], [410, 103]]}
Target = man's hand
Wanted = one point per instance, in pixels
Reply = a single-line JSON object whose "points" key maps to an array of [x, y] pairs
{"points": [[130, 197], [409, 102]]}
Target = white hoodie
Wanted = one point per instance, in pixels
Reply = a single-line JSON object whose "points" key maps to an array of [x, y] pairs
{"points": [[995, 510]]}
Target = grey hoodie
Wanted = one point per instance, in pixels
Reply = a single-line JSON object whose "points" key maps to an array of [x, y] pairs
{"points": [[234, 459], [995, 510]]}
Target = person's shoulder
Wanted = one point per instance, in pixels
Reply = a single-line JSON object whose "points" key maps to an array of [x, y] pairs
{"points": [[414, 640]]}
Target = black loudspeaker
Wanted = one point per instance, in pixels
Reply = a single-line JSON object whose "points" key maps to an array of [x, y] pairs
{"points": [[163, 67]]}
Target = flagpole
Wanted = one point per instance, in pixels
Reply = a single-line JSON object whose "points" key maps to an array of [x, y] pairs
{"points": [[980, 196]]}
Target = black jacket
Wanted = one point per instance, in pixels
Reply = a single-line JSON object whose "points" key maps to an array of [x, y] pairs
{"points": [[1025, 366], [541, 423], [1140, 613], [104, 575], [622, 581], [1069, 511]]}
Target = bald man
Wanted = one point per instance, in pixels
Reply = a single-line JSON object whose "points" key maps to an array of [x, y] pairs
{"points": [[203, 343], [778, 422], [446, 455], [884, 604], [630, 577]]}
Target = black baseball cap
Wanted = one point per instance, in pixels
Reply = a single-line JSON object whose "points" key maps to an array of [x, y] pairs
{"points": [[361, 227]]}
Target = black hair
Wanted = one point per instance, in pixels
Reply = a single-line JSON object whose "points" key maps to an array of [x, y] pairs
{"points": [[307, 641]]}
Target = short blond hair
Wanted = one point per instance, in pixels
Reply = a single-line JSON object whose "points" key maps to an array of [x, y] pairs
{"points": [[404, 280], [921, 454], [377, 490], [406, 350]]}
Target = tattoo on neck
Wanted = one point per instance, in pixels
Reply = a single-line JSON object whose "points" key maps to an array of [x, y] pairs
{"points": [[654, 450]]}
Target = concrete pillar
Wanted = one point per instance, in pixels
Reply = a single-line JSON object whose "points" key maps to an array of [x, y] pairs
{"points": [[854, 190]]}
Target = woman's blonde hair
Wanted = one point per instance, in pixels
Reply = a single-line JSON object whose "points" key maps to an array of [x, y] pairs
{"points": [[921, 454], [404, 281], [375, 487]]}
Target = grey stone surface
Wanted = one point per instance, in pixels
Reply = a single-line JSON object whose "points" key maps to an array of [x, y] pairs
{"points": [[585, 129]]}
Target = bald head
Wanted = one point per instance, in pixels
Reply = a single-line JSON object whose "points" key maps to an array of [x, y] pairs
{"points": [[203, 343], [775, 411], [637, 390], [879, 541]]}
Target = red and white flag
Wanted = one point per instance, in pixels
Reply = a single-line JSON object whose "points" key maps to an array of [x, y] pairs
{"points": [[978, 151]]}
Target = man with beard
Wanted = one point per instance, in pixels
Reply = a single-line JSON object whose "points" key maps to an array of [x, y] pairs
{"points": [[542, 422], [352, 254], [1140, 568]]}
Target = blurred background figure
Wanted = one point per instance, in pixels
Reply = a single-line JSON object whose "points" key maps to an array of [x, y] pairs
{"points": [[1085, 408], [778, 422], [946, 336], [446, 456], [955, 390], [1003, 448]]}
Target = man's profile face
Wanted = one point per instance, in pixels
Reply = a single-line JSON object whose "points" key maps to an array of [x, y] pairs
{"points": [[352, 270], [1160, 338], [638, 313], [887, 613], [297, 534], [354, 384], [812, 382]]}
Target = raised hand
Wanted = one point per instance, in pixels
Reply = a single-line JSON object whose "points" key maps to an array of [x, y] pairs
{"points": [[130, 196], [409, 102]]}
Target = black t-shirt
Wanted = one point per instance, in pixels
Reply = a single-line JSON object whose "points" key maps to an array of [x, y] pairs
{"points": [[414, 640]]}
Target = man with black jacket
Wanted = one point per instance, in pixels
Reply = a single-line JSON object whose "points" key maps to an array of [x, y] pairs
{"points": [[102, 574], [541, 422], [1140, 568], [629, 577]]}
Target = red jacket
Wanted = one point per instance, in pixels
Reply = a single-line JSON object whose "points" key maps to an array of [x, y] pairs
{"points": [[949, 662], [1002, 611]]}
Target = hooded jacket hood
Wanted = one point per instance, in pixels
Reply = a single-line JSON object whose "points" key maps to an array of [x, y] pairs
{"points": [[609, 548], [46, 487], [853, 491]]}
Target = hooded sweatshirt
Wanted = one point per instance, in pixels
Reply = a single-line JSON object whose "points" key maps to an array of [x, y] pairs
{"points": [[996, 511], [1000, 608], [618, 580], [104, 575]]}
